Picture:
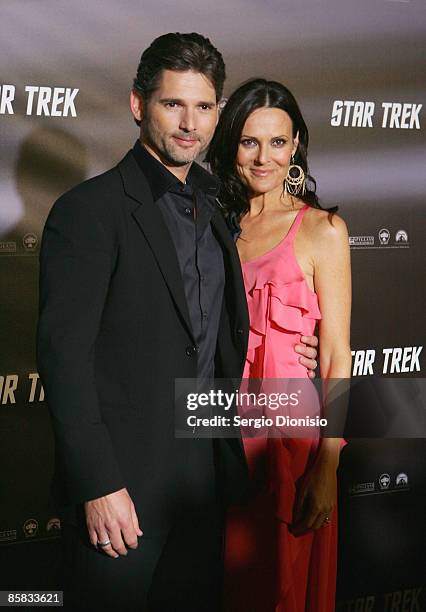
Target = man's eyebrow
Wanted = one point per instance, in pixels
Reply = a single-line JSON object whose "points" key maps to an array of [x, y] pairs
{"points": [[182, 102]]}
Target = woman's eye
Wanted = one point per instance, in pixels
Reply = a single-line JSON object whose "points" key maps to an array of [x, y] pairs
{"points": [[248, 142], [279, 142]]}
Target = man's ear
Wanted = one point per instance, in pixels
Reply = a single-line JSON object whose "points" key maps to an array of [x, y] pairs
{"points": [[295, 143], [136, 105], [219, 107]]}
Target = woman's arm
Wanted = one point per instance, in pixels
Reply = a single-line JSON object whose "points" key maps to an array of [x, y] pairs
{"points": [[333, 286], [332, 277]]}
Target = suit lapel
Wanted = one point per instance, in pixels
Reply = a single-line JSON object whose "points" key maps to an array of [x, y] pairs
{"points": [[234, 279], [151, 223]]}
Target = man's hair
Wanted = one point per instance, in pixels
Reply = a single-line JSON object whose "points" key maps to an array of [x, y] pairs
{"points": [[179, 52]]}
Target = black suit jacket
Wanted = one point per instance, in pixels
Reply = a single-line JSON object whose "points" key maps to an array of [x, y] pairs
{"points": [[114, 332]]}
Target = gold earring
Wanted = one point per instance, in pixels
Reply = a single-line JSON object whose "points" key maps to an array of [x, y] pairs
{"points": [[295, 180]]}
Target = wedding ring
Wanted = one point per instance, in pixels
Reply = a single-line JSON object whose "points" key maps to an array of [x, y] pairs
{"points": [[103, 544], [326, 519]]}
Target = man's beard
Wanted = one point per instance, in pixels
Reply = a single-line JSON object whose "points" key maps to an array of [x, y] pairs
{"points": [[166, 149]]}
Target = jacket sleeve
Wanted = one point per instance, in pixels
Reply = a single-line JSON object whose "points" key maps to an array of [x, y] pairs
{"points": [[76, 260]]}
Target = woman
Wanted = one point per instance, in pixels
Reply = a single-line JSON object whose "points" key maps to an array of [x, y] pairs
{"points": [[281, 549]]}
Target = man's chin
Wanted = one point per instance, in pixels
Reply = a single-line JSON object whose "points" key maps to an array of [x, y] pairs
{"points": [[177, 159]]}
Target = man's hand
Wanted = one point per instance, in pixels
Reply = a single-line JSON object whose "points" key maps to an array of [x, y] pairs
{"points": [[113, 518], [308, 353]]}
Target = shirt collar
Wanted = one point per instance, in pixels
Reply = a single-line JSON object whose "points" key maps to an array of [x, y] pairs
{"points": [[161, 180]]}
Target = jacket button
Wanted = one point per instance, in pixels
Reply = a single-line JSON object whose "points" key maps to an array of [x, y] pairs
{"points": [[191, 350], [240, 331]]}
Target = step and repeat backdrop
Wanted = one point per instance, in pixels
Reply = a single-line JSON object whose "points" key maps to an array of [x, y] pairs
{"points": [[357, 68]]}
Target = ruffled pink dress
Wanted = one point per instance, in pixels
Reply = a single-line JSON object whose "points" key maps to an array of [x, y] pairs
{"points": [[267, 569]]}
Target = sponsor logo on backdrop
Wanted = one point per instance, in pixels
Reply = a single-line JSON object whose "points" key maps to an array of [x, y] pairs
{"points": [[53, 524], [361, 241], [384, 235], [40, 100], [401, 480], [30, 528], [399, 483], [25, 244], [384, 481], [30, 242], [401, 236], [368, 114], [395, 360], [362, 488], [8, 535], [8, 247]]}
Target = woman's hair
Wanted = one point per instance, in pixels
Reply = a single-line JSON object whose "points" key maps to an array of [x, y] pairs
{"points": [[222, 153]]}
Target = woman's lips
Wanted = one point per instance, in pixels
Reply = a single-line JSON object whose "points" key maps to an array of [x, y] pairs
{"points": [[261, 173]]}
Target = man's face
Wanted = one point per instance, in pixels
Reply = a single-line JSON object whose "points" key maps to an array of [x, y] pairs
{"points": [[180, 118]]}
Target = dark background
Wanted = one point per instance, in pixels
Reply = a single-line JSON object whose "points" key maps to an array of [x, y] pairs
{"points": [[368, 50]]}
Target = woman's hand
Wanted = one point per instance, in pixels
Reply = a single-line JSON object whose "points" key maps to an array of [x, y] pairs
{"points": [[315, 498]]}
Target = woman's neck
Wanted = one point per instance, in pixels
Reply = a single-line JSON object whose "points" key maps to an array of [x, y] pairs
{"points": [[270, 201]]}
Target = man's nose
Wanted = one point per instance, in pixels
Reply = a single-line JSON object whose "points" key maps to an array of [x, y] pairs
{"points": [[187, 120]]}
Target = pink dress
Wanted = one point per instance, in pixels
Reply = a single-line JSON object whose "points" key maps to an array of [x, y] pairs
{"points": [[267, 569]]}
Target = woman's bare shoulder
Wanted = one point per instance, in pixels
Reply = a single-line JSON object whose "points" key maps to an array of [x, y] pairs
{"points": [[324, 227]]}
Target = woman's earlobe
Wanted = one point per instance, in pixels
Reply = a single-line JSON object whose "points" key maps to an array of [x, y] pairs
{"points": [[295, 143]]}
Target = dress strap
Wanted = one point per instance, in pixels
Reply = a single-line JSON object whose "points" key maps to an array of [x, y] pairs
{"points": [[296, 223]]}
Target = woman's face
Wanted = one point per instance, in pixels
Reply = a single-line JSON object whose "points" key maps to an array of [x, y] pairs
{"points": [[265, 150]]}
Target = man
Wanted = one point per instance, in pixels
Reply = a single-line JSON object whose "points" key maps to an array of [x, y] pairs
{"points": [[140, 284]]}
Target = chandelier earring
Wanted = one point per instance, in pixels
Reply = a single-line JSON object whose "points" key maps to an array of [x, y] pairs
{"points": [[295, 180]]}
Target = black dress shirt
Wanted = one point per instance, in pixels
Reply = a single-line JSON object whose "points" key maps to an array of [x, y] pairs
{"points": [[187, 209]]}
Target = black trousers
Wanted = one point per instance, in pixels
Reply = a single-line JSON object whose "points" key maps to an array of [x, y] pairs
{"points": [[179, 572]]}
